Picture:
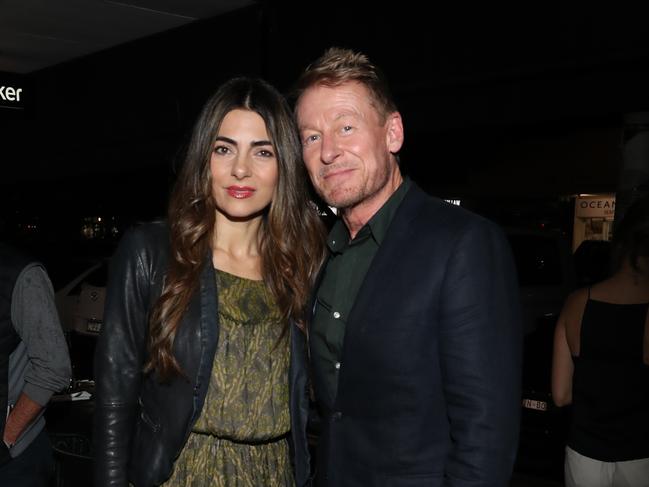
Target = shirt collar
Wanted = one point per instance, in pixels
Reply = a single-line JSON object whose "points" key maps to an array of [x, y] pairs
{"points": [[378, 225]]}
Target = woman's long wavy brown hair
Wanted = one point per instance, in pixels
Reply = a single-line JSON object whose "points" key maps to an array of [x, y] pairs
{"points": [[291, 234]]}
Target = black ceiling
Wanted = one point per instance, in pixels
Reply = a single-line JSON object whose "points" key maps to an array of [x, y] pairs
{"points": [[483, 91]]}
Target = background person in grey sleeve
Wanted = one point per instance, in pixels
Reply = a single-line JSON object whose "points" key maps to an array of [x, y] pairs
{"points": [[34, 363]]}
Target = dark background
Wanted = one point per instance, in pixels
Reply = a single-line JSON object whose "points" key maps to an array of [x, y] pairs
{"points": [[513, 109]]}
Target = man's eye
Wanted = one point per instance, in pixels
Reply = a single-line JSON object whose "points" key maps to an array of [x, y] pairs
{"points": [[310, 138], [347, 128]]}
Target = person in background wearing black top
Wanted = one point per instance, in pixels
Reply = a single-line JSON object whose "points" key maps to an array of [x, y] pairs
{"points": [[601, 366]]}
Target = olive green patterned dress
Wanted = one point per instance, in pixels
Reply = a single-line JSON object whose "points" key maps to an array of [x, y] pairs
{"points": [[240, 439]]}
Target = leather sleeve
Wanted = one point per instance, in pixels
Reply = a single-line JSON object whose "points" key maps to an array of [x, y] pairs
{"points": [[480, 352], [119, 359]]}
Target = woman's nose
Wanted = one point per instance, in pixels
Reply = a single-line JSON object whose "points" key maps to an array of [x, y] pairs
{"points": [[241, 167]]}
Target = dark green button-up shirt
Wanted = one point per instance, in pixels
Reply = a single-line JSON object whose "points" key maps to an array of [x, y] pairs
{"points": [[346, 268]]}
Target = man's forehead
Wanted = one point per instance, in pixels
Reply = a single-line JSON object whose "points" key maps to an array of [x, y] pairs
{"points": [[334, 102], [348, 89]]}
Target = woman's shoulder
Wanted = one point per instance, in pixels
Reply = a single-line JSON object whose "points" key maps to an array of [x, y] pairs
{"points": [[578, 295], [147, 234], [575, 302], [144, 242]]}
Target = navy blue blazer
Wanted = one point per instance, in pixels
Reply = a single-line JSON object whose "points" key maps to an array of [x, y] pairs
{"points": [[429, 384]]}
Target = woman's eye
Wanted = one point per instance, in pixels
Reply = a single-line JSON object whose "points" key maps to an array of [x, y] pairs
{"points": [[265, 153], [221, 149]]}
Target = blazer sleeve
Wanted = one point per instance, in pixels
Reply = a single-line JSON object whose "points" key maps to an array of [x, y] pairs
{"points": [[480, 353], [119, 359]]}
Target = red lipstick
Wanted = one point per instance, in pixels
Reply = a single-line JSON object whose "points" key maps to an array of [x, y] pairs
{"points": [[240, 192]]}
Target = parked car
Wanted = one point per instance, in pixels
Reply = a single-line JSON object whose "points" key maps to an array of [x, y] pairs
{"points": [[545, 270], [546, 276], [80, 304], [80, 292]]}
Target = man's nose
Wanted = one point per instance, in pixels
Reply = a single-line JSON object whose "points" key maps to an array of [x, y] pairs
{"points": [[329, 149]]}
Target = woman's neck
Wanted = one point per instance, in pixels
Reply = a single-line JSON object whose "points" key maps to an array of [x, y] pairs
{"points": [[625, 286], [235, 246], [639, 277]]}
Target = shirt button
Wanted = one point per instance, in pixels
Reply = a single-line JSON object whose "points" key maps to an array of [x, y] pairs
{"points": [[336, 314], [337, 365]]}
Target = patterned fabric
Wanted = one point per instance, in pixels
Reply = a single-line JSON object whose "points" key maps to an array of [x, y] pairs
{"points": [[240, 439]]}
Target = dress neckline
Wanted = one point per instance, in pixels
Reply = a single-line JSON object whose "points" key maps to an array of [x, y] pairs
{"points": [[618, 304], [590, 298], [221, 271]]}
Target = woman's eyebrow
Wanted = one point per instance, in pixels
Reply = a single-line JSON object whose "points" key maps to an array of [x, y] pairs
{"points": [[258, 143], [255, 143], [226, 139]]}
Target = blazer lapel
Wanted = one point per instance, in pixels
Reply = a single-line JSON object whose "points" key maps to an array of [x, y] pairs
{"points": [[385, 261]]}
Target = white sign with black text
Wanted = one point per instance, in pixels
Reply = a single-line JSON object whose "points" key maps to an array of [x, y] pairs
{"points": [[595, 207]]}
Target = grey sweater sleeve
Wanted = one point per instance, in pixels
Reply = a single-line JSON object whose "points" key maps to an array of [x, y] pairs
{"points": [[33, 312]]}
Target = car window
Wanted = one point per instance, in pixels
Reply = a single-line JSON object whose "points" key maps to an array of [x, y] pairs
{"points": [[96, 278], [62, 271]]}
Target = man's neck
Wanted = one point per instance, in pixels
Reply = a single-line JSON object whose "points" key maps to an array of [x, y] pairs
{"points": [[357, 216]]}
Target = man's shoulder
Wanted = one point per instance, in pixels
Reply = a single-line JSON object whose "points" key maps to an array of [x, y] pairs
{"points": [[434, 215], [33, 272]]}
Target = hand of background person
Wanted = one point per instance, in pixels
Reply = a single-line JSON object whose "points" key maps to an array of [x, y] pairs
{"points": [[19, 417]]}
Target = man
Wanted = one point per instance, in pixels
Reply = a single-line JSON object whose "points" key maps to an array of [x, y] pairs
{"points": [[34, 364], [415, 340]]}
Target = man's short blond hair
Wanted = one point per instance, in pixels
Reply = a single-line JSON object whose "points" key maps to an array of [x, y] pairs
{"points": [[337, 66]]}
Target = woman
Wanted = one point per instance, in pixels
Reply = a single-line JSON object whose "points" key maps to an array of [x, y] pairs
{"points": [[200, 365], [601, 366]]}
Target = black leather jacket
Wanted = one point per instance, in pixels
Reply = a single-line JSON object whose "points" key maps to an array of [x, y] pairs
{"points": [[142, 425]]}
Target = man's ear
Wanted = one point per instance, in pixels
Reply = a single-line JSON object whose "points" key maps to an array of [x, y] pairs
{"points": [[394, 132]]}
